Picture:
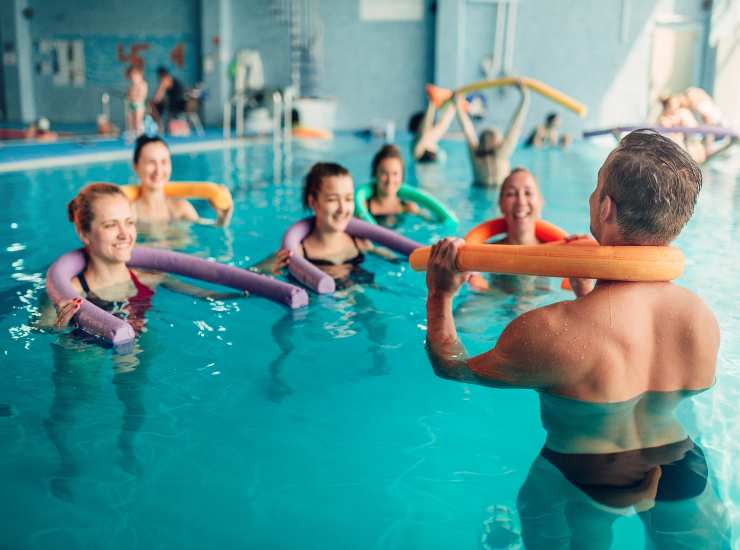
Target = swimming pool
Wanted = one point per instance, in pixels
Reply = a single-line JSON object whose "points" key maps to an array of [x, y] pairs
{"points": [[245, 425]]}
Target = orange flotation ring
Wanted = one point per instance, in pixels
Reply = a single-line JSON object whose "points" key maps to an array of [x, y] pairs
{"points": [[215, 193], [545, 232], [304, 132]]}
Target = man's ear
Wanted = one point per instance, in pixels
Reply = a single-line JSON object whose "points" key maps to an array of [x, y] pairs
{"points": [[608, 210]]}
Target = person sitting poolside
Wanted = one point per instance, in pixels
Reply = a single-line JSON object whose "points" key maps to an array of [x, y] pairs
{"points": [[427, 134], [153, 165], [169, 100], [388, 173], [490, 152], [41, 131]]}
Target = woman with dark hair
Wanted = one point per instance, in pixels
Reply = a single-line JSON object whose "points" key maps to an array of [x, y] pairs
{"points": [[388, 172], [153, 165]]}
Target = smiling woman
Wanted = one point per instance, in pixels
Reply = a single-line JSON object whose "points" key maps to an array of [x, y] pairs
{"points": [[153, 166], [106, 225]]}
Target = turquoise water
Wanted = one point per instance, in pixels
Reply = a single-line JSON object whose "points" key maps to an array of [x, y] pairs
{"points": [[244, 425]]}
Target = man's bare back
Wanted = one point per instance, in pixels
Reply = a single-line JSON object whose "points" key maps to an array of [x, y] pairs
{"points": [[617, 342], [622, 339]]}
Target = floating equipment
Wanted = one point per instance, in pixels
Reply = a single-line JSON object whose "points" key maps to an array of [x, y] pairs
{"points": [[439, 96], [312, 276], [405, 192], [545, 232], [615, 263], [715, 131], [115, 331], [215, 193], [305, 132]]}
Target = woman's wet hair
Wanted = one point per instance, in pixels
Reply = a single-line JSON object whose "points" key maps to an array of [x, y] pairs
{"points": [[80, 208], [388, 151], [315, 177], [144, 140], [654, 184]]}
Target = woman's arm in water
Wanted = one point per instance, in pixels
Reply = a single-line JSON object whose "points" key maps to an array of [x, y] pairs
{"points": [[515, 130], [186, 211], [176, 285]]}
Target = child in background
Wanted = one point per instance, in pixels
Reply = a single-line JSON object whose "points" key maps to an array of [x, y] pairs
{"points": [[136, 98]]}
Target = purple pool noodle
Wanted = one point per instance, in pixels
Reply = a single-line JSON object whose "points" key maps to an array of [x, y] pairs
{"points": [[90, 317], [301, 268], [222, 274], [99, 322], [382, 236], [709, 130], [312, 276]]}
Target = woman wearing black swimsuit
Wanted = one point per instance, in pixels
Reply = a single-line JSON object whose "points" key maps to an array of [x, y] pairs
{"points": [[106, 225], [329, 193]]}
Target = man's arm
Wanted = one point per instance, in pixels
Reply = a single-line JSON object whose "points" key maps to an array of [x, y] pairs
{"points": [[520, 357]]}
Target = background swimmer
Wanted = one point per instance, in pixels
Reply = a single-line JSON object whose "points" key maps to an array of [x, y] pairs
{"points": [[388, 173], [427, 134], [153, 165], [490, 152]]}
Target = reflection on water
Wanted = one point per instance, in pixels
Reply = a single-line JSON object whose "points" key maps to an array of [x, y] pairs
{"points": [[602, 461], [81, 368], [351, 309]]}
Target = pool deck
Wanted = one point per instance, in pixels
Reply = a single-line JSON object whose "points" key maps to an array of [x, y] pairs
{"points": [[19, 155]]}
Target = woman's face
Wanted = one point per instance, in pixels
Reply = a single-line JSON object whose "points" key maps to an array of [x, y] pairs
{"points": [[520, 201], [389, 176], [112, 230], [154, 166], [334, 205]]}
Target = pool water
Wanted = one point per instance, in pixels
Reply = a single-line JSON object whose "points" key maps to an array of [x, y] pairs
{"points": [[241, 424]]}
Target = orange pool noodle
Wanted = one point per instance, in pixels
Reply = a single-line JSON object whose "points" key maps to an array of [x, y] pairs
{"points": [[616, 263], [217, 194]]}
